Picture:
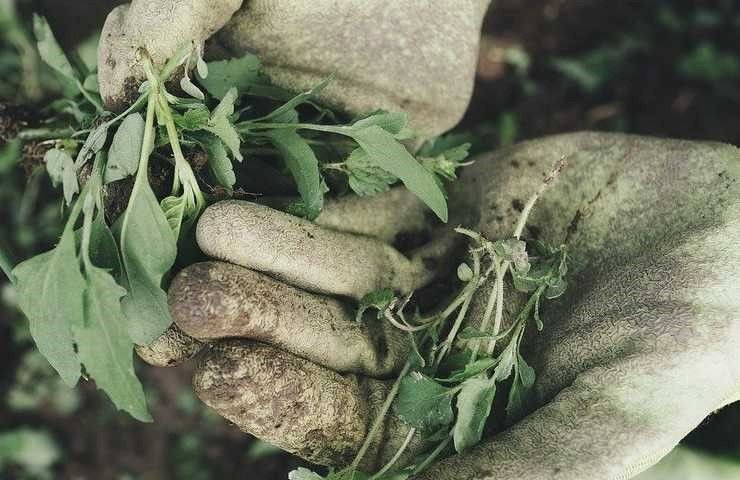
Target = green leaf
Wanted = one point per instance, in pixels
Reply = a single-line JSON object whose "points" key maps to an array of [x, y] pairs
{"points": [[471, 369], [385, 152], [391, 122], [104, 345], [379, 300], [61, 169], [289, 107], [103, 249], [49, 49], [50, 288], [423, 403], [303, 165], [218, 161], [193, 118], [174, 210], [148, 250], [220, 123], [366, 178], [241, 73], [125, 149], [473, 408], [91, 83], [93, 143], [523, 381]]}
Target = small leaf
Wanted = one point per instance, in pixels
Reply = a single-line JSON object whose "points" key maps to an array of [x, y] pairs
{"points": [[220, 123], [189, 87], [473, 408], [304, 474], [104, 345], [366, 178], [391, 122], [555, 288], [385, 152], [193, 118], [91, 83], [464, 272], [379, 300], [93, 143], [218, 161], [303, 165], [471, 370], [50, 288], [241, 73], [125, 149], [61, 169], [423, 403], [49, 49], [174, 211]]}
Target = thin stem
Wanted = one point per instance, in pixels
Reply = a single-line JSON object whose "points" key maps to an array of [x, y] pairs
{"points": [[433, 456], [500, 272], [380, 418], [246, 126], [147, 142], [98, 106], [44, 133], [556, 169], [492, 301], [395, 458]]}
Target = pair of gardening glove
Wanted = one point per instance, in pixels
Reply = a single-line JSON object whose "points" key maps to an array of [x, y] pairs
{"points": [[642, 346]]}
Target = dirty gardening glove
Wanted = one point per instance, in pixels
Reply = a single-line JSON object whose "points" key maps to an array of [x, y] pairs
{"points": [[413, 56], [283, 385], [642, 346]]}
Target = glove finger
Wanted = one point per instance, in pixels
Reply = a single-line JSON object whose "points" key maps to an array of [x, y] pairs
{"points": [[169, 349], [383, 216], [299, 406], [308, 256], [213, 300], [140, 24]]}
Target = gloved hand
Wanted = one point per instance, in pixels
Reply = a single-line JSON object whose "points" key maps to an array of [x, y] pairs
{"points": [[639, 350], [414, 56]]}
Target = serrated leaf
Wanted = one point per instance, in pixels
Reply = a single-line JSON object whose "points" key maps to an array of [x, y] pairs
{"points": [[192, 119], [423, 403], [241, 73], [385, 152], [148, 251], [473, 408], [220, 123], [125, 149], [50, 288], [49, 49], [104, 345], [364, 177], [61, 169]]}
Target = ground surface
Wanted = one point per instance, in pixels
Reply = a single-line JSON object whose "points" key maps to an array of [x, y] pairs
{"points": [[660, 68]]}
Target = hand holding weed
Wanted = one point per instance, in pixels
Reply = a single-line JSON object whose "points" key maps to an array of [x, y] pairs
{"points": [[651, 228]]}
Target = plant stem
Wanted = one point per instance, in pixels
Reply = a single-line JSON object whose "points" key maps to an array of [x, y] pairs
{"points": [[500, 272], [98, 106], [433, 456], [380, 418], [395, 458], [44, 133]]}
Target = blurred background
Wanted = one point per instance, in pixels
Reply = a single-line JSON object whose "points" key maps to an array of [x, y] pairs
{"points": [[665, 68]]}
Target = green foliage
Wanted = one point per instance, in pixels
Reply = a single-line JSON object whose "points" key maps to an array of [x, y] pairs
{"points": [[473, 407], [125, 149], [34, 451], [423, 403], [364, 177], [708, 64], [240, 73]]}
